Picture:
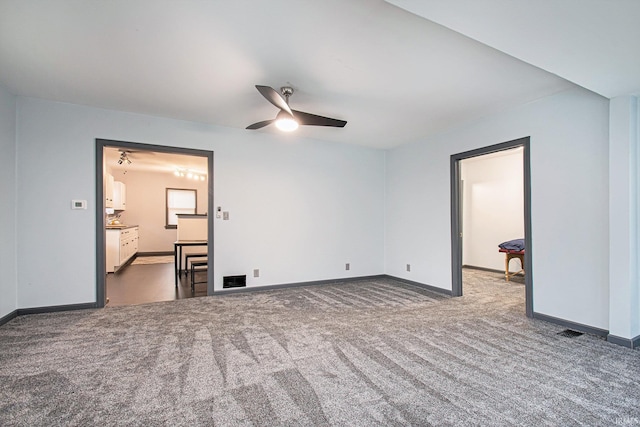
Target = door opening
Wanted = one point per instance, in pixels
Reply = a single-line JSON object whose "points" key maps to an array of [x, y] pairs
{"points": [[457, 221], [131, 149]]}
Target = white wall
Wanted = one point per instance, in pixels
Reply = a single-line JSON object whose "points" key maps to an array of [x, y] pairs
{"points": [[624, 155], [8, 278], [146, 201], [299, 209], [569, 168], [493, 207]]}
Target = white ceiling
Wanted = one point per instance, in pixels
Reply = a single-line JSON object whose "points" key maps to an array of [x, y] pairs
{"points": [[593, 43], [394, 76], [153, 161]]}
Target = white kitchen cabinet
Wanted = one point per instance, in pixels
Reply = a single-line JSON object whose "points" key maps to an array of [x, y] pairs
{"points": [[108, 191], [121, 245], [119, 196]]}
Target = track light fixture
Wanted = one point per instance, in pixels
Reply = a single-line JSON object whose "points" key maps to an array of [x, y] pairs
{"points": [[186, 173]]}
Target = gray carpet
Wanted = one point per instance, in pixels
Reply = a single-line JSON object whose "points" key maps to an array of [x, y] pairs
{"points": [[347, 354]]}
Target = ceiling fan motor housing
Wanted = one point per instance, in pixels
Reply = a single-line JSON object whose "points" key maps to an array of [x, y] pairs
{"points": [[286, 91]]}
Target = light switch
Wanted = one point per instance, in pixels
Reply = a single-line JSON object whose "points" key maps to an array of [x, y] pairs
{"points": [[225, 216]]}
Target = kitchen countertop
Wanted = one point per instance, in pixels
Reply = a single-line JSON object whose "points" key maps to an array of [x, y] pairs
{"points": [[119, 227]]}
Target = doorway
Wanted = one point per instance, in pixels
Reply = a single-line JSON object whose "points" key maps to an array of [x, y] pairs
{"points": [[103, 147], [457, 214]]}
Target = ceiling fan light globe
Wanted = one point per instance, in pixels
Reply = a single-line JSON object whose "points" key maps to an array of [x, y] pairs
{"points": [[286, 124]]}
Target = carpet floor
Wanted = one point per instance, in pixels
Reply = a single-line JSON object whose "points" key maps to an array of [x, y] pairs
{"points": [[375, 352]]}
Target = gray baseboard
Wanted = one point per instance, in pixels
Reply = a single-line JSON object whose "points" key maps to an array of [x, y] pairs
{"points": [[298, 284], [491, 270], [421, 285], [625, 342], [48, 309], [325, 282], [9, 317], [56, 308], [572, 325]]}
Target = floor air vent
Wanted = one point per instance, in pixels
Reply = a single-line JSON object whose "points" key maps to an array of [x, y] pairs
{"points": [[234, 281], [569, 333]]}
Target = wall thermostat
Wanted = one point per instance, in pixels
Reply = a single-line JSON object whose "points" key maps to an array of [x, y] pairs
{"points": [[78, 204]]}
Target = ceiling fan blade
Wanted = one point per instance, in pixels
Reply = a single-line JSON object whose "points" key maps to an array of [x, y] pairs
{"points": [[274, 97], [313, 120], [259, 125]]}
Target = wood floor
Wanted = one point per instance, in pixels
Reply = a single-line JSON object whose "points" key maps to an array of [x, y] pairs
{"points": [[141, 284]]}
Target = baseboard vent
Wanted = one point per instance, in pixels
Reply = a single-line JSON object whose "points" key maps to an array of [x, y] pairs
{"points": [[569, 333], [234, 281]]}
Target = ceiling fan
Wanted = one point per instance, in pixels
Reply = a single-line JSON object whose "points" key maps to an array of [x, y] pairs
{"points": [[124, 155], [288, 119]]}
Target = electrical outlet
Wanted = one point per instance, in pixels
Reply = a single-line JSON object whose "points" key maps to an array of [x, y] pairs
{"points": [[408, 267], [78, 204], [256, 272], [347, 266]]}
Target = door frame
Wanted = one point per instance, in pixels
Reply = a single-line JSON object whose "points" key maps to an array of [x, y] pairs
{"points": [[101, 271], [456, 215]]}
